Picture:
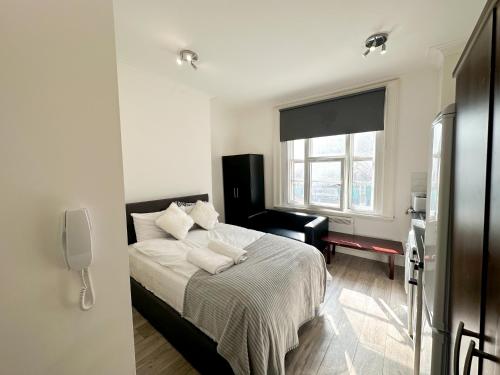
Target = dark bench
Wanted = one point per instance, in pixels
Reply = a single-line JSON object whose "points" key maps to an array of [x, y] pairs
{"points": [[377, 245], [295, 225]]}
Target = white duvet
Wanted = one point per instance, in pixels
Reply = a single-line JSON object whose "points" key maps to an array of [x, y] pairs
{"points": [[172, 253], [161, 265], [168, 253], [230, 234]]}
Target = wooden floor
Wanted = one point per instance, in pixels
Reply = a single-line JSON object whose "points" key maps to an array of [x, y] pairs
{"points": [[361, 329]]}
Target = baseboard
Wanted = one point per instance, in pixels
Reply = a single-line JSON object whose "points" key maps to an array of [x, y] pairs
{"points": [[399, 259]]}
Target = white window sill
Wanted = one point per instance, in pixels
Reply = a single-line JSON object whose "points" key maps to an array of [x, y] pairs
{"points": [[331, 212]]}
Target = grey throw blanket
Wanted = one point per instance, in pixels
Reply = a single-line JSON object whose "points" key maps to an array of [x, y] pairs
{"points": [[255, 309]]}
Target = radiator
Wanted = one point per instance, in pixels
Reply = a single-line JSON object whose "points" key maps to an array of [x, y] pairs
{"points": [[341, 224]]}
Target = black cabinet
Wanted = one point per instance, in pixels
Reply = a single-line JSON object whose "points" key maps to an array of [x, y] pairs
{"points": [[470, 188], [243, 187], [475, 254], [492, 295]]}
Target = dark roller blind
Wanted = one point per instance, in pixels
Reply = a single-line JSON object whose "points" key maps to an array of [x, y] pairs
{"points": [[356, 113]]}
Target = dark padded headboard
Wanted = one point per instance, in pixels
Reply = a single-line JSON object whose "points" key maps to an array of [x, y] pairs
{"points": [[153, 206]]}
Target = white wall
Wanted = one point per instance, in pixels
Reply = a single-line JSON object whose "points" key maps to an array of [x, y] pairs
{"points": [[418, 98], [447, 91], [224, 135], [165, 136], [60, 148], [255, 136]]}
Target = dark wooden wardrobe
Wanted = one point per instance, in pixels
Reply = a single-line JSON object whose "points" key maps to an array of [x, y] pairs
{"points": [[243, 187], [475, 233]]}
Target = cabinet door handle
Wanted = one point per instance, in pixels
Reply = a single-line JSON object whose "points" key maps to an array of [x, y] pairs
{"points": [[473, 352], [461, 331], [234, 192], [237, 192], [468, 357]]}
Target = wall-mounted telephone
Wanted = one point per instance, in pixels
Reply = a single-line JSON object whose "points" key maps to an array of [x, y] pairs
{"points": [[78, 251]]}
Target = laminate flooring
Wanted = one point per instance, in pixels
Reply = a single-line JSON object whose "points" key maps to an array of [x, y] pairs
{"points": [[361, 329]]}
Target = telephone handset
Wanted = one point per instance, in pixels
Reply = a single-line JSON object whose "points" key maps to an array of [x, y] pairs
{"points": [[78, 251]]}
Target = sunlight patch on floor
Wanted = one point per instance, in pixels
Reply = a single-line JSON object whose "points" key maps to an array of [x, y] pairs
{"points": [[391, 312]]}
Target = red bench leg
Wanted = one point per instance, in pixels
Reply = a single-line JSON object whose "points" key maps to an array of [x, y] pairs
{"points": [[391, 267]]}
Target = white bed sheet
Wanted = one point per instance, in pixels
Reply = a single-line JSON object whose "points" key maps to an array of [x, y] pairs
{"points": [[165, 282], [230, 234]]}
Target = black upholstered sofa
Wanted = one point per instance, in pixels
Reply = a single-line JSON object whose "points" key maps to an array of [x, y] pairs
{"points": [[295, 225]]}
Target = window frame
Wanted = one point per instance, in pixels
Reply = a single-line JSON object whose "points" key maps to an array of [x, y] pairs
{"points": [[342, 174], [376, 177], [347, 161], [387, 154], [291, 181]]}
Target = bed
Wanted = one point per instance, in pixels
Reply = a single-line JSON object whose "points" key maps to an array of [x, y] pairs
{"points": [[164, 309]]}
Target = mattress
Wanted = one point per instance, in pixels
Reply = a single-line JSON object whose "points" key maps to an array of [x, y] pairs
{"points": [[169, 285]]}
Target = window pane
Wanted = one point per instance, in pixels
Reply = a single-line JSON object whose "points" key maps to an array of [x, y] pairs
{"points": [[326, 182], [298, 191], [328, 146], [298, 149], [364, 144], [362, 185], [298, 171]]}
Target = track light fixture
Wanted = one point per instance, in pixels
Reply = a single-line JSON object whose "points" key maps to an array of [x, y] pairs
{"points": [[383, 51], [375, 41], [187, 56]]}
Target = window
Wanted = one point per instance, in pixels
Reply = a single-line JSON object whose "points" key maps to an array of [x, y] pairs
{"points": [[351, 173], [336, 172], [297, 172]]}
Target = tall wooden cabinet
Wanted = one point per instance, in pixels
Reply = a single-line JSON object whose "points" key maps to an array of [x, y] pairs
{"points": [[492, 293], [474, 292], [243, 187]]}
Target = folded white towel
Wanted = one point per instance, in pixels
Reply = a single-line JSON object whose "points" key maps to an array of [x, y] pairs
{"points": [[235, 253], [209, 260]]}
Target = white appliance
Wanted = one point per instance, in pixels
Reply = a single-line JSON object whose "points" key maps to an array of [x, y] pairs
{"points": [[435, 335], [418, 201], [414, 268], [410, 278]]}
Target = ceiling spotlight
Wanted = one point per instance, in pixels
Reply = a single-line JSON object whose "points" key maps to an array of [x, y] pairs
{"points": [[189, 57], [375, 41]]}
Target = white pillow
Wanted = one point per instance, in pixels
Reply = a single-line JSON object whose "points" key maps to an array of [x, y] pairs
{"points": [[175, 221], [204, 215], [184, 206], [145, 226]]}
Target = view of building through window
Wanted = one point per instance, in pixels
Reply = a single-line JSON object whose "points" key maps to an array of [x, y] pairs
{"points": [[333, 171]]}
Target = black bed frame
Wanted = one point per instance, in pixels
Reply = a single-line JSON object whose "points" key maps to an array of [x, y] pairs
{"points": [[199, 349]]}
